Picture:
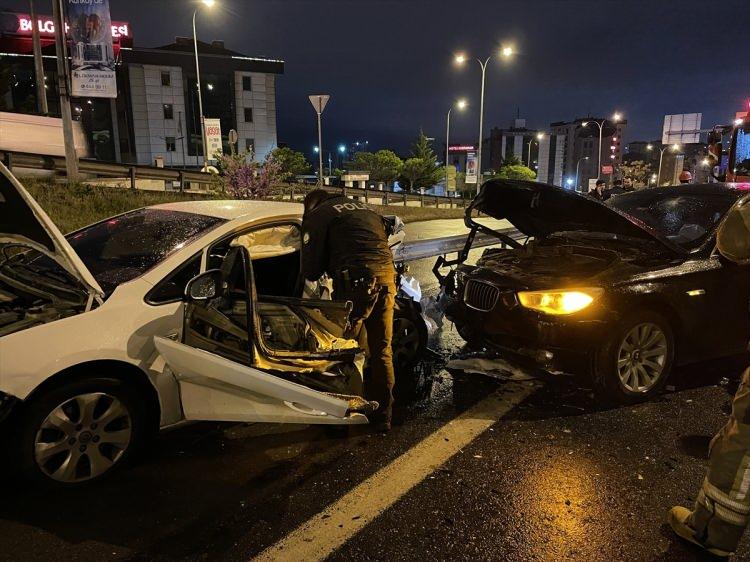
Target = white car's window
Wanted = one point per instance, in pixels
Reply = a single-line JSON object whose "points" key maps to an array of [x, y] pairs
{"points": [[270, 242]]}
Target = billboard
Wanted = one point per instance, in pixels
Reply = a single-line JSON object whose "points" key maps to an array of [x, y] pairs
{"points": [[681, 128], [213, 137], [92, 71], [471, 167]]}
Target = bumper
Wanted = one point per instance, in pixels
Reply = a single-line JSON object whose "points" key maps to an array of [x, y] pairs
{"points": [[565, 343]]}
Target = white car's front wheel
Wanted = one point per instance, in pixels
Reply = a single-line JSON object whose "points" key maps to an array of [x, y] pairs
{"points": [[81, 431]]}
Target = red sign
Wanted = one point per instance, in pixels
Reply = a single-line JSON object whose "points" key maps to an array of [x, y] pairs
{"points": [[460, 148], [606, 170], [46, 27]]}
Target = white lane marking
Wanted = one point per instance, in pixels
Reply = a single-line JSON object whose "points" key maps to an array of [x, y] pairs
{"points": [[327, 531]]}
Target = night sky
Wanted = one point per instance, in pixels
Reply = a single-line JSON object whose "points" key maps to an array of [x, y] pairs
{"points": [[388, 63]]}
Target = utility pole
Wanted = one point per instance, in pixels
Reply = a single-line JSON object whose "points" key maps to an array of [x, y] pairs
{"points": [[71, 159], [41, 93]]}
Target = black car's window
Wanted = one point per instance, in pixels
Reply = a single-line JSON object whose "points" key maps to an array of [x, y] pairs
{"points": [[172, 287], [686, 219], [124, 247]]}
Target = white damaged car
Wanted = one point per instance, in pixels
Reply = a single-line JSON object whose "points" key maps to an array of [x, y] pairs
{"points": [[101, 345]]}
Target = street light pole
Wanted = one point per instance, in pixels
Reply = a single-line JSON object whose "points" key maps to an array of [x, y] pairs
{"points": [[615, 119], [200, 97], [460, 104], [460, 59], [675, 147], [481, 123], [447, 144], [41, 92], [71, 158], [578, 167]]}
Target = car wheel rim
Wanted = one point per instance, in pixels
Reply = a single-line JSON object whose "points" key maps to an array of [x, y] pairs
{"points": [[405, 341], [83, 437], [642, 357]]}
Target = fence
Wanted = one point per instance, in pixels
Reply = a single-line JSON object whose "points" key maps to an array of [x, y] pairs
{"points": [[185, 180]]}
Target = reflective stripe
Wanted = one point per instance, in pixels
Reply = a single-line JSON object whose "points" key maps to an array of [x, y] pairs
{"points": [[725, 500], [730, 516], [744, 484]]}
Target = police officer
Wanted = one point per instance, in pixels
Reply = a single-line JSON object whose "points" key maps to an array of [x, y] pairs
{"points": [[722, 510], [348, 240]]}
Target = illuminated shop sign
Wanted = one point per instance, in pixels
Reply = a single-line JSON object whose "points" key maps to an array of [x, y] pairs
{"points": [[461, 148], [47, 27]]}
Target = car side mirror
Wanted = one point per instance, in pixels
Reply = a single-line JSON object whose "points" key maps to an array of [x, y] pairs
{"points": [[205, 286]]}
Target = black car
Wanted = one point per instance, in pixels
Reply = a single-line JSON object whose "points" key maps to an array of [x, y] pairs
{"points": [[622, 290]]}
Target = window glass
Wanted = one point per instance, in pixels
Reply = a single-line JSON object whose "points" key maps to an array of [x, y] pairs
{"points": [[168, 111], [170, 142], [172, 287], [122, 248], [248, 115], [166, 79], [247, 83], [250, 145]]}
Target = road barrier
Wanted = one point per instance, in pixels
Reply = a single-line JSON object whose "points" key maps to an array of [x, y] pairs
{"points": [[186, 180]]}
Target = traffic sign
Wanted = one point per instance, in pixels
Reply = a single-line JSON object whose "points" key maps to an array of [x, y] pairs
{"points": [[319, 102], [233, 136]]}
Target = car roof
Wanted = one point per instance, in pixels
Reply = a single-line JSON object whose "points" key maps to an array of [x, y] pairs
{"points": [[231, 209], [733, 189]]}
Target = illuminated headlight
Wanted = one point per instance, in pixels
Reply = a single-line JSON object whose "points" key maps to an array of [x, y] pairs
{"points": [[559, 302]]}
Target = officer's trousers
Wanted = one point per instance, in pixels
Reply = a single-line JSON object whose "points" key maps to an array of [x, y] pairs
{"points": [[373, 311], [722, 509]]}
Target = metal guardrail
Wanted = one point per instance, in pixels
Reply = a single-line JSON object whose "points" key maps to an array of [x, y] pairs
{"points": [[105, 169], [420, 249], [132, 172]]}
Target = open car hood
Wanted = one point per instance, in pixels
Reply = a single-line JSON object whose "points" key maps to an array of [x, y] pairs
{"points": [[24, 222], [538, 210]]}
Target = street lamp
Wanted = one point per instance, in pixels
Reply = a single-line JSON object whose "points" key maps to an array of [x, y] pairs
{"points": [[539, 136], [615, 118], [208, 4], [675, 147], [460, 59], [461, 105], [578, 165]]}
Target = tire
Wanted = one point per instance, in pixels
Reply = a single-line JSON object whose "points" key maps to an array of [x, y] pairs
{"points": [[635, 364], [81, 432], [409, 344]]}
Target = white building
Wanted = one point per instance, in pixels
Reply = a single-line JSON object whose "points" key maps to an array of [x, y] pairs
{"points": [[159, 118]]}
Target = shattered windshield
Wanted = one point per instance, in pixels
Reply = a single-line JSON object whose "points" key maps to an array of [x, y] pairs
{"points": [[686, 219], [122, 248]]}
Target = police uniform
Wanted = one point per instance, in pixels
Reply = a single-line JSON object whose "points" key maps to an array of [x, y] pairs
{"points": [[348, 240], [722, 509]]}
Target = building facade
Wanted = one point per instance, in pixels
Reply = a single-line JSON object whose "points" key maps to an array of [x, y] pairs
{"points": [[581, 152], [155, 117], [511, 143], [551, 160]]}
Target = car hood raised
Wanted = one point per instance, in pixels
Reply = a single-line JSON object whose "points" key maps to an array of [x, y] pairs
{"points": [[538, 210], [23, 221]]}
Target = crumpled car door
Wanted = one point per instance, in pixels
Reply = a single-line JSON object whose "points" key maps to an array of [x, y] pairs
{"points": [[264, 359]]}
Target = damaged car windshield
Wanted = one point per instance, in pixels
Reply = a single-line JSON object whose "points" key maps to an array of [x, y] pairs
{"points": [[686, 219], [122, 248]]}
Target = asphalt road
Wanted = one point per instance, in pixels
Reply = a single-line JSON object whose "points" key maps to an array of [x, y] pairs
{"points": [[480, 470]]}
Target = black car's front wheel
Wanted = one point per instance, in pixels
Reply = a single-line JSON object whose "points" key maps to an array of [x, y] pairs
{"points": [[636, 362]]}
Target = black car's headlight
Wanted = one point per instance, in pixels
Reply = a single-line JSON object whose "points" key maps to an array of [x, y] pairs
{"points": [[559, 302]]}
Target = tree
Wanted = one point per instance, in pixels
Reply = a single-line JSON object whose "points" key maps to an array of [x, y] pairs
{"points": [[290, 162], [247, 180], [422, 160], [413, 172], [638, 171], [383, 165], [515, 172]]}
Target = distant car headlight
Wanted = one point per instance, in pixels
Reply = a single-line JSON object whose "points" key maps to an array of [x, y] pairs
{"points": [[559, 302]]}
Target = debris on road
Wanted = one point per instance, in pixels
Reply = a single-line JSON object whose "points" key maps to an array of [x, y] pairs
{"points": [[492, 367]]}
